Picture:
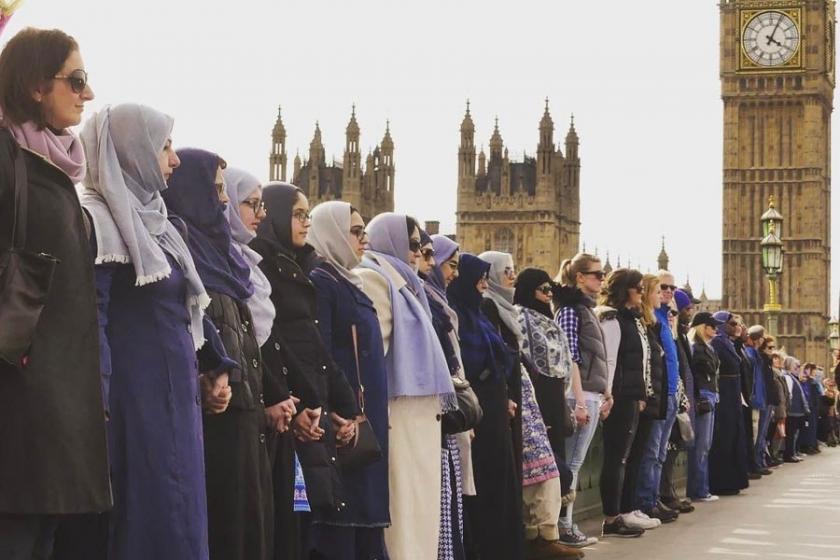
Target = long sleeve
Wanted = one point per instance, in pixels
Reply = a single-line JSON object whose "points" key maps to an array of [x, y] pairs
{"points": [[612, 340], [104, 275], [213, 359], [569, 321], [375, 286]]}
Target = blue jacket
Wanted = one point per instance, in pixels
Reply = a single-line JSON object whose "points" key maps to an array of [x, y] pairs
{"points": [[672, 361], [758, 399]]}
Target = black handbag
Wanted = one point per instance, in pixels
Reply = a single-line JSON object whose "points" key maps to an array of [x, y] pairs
{"points": [[25, 278], [364, 448], [469, 413]]}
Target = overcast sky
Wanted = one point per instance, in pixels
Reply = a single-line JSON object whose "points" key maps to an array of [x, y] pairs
{"points": [[640, 77]]}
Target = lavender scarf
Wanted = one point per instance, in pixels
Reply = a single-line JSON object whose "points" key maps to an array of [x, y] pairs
{"points": [[62, 150], [415, 360]]}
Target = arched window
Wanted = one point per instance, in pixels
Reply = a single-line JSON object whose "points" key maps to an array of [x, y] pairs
{"points": [[504, 241]]}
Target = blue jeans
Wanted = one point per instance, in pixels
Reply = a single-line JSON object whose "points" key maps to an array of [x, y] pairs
{"points": [[765, 415], [655, 453], [698, 456], [577, 445]]}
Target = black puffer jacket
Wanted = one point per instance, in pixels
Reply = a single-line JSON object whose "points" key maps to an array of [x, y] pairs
{"points": [[657, 403], [629, 381], [308, 367]]}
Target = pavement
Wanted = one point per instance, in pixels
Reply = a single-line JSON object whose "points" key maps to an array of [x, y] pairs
{"points": [[793, 513]]}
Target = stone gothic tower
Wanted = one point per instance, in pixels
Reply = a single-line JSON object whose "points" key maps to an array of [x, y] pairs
{"points": [[777, 83], [529, 208], [368, 187]]}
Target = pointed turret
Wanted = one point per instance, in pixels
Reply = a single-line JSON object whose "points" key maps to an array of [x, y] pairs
{"points": [[496, 143], [607, 266], [352, 164], [277, 159], [572, 141], [297, 167], [316, 148], [545, 149], [466, 152], [662, 259], [482, 163]]}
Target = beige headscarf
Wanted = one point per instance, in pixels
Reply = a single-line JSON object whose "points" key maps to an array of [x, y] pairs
{"points": [[329, 234]]}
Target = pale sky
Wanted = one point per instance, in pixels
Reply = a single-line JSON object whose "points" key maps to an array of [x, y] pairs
{"points": [[640, 77]]}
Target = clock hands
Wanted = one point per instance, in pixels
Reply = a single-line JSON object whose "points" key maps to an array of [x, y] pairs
{"points": [[771, 38]]}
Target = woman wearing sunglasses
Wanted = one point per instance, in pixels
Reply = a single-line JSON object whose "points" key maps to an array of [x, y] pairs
{"points": [[298, 362], [238, 471], [495, 512], [66, 470], [350, 329], [444, 319], [579, 284], [419, 386]]}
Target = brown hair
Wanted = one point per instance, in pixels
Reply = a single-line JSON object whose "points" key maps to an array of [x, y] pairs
{"points": [[581, 262], [28, 62], [650, 283], [618, 284]]}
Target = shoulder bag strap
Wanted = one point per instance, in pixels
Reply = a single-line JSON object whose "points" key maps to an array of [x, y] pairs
{"points": [[19, 194], [361, 395]]}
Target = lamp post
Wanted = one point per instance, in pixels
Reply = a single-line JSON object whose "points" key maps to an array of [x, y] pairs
{"points": [[771, 261]]}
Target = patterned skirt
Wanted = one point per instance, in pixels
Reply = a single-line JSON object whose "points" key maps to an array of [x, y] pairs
{"points": [[451, 541], [538, 463]]}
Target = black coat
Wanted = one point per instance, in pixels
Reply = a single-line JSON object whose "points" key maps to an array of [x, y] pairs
{"points": [[704, 366], [657, 403], [297, 340], [52, 421], [629, 379], [239, 490]]}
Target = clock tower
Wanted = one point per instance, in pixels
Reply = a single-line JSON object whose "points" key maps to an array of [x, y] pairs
{"points": [[777, 84]]}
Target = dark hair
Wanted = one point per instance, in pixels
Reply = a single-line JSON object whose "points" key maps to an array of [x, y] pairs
{"points": [[28, 62], [410, 224], [619, 282], [354, 209]]}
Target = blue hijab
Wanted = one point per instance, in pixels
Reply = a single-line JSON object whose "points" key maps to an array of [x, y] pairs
{"points": [[435, 287], [482, 347], [192, 196], [415, 360]]}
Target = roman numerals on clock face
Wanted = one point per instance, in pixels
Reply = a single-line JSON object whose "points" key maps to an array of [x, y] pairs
{"points": [[770, 39]]}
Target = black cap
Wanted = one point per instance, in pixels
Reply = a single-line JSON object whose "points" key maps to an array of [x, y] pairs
{"points": [[705, 318]]}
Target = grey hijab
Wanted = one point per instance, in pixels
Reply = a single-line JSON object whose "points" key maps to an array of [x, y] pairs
{"points": [[501, 296], [239, 185], [122, 195], [330, 236]]}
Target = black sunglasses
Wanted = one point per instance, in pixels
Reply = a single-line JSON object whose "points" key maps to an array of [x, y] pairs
{"points": [[664, 287], [545, 289], [77, 80], [414, 245], [600, 274], [428, 253]]}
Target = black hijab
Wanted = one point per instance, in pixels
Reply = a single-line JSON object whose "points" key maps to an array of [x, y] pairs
{"points": [[276, 229], [527, 283]]}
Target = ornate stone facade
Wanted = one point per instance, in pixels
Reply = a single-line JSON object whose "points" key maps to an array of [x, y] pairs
{"points": [[528, 208], [777, 82], [370, 188]]}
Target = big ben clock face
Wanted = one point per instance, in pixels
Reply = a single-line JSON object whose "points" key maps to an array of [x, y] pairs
{"points": [[770, 39]]}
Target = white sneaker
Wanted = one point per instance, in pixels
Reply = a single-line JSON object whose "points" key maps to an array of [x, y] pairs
{"points": [[709, 498], [638, 520]]}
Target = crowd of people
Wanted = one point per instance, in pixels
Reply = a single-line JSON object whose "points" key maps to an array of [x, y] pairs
{"points": [[221, 372]]}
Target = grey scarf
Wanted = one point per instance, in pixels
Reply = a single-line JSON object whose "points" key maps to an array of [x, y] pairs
{"points": [[501, 296], [122, 195]]}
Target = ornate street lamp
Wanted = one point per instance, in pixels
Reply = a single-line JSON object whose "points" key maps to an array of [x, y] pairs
{"points": [[772, 255]]}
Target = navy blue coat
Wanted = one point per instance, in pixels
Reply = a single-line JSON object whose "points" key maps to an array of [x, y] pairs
{"points": [[339, 306]]}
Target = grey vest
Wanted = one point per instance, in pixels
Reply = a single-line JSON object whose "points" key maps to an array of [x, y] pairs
{"points": [[593, 350]]}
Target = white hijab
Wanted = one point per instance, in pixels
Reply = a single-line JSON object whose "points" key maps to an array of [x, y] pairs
{"points": [[122, 194], [501, 296], [239, 185], [330, 236]]}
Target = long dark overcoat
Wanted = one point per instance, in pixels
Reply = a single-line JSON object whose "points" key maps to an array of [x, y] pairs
{"points": [[52, 420]]}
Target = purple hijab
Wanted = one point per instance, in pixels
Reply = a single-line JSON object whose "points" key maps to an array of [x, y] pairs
{"points": [[415, 360], [192, 196]]}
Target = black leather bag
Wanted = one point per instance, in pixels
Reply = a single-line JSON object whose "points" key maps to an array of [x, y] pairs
{"points": [[703, 406], [364, 448], [469, 413], [25, 278]]}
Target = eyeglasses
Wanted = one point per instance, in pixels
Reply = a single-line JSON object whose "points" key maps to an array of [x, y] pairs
{"points": [[453, 264], [428, 253], [484, 278], [255, 205], [673, 313], [545, 289], [599, 274], [358, 231], [638, 288], [77, 80], [414, 245], [510, 272], [301, 215], [665, 287]]}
